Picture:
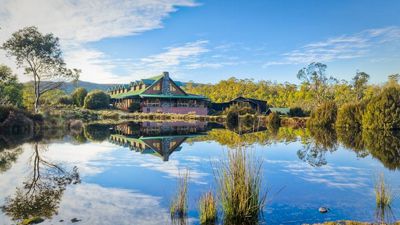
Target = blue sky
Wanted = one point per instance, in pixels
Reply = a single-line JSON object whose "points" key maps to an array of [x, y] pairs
{"points": [[206, 41]]}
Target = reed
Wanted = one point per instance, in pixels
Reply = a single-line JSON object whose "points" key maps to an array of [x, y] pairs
{"points": [[208, 209], [178, 208], [383, 198], [239, 181]]}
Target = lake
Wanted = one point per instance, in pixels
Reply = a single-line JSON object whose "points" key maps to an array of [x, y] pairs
{"points": [[127, 173]]}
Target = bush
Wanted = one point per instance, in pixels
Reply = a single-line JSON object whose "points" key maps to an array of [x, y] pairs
{"points": [[383, 111], [78, 96], [65, 100], [134, 107], [297, 112], [97, 100], [232, 119], [323, 116], [349, 116], [274, 120]]}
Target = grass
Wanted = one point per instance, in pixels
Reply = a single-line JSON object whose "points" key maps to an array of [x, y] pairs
{"points": [[383, 198], [208, 209], [239, 181], [178, 208]]}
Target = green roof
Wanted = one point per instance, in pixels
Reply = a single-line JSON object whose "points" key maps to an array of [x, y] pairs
{"points": [[280, 110], [150, 82]]}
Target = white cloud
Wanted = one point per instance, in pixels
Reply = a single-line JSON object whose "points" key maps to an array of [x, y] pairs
{"points": [[93, 204], [341, 47], [77, 22]]}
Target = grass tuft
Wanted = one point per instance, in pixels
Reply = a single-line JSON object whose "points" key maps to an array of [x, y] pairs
{"points": [[383, 198], [178, 208], [239, 180], [208, 209]]}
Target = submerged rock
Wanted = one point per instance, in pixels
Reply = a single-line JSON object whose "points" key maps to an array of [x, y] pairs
{"points": [[323, 210], [75, 220]]}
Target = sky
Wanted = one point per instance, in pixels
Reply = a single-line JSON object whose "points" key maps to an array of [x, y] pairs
{"points": [[205, 41]]}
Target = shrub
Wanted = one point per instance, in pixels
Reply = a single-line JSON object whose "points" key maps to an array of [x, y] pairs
{"points": [[323, 116], [274, 120], [134, 107], [208, 209], [239, 188], [97, 100], [65, 100], [383, 111], [78, 96], [232, 119], [297, 112], [349, 116]]}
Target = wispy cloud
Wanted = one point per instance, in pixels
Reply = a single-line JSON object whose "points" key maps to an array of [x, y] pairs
{"points": [[341, 47], [77, 22]]}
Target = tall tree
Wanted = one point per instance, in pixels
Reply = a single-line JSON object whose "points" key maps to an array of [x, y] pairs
{"points": [[394, 79], [41, 57], [315, 76], [360, 81]]}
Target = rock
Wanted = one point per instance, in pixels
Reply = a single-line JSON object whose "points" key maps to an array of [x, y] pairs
{"points": [[75, 220], [323, 210]]}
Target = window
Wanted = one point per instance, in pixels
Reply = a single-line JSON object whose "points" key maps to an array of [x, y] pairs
{"points": [[157, 87], [171, 87]]}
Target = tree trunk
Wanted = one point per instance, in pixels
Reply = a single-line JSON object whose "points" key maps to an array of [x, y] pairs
{"points": [[37, 94]]}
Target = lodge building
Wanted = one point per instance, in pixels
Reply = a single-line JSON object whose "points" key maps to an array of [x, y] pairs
{"points": [[159, 94]]}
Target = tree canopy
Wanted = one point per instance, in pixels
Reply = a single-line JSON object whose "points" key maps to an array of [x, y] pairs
{"points": [[41, 57]]}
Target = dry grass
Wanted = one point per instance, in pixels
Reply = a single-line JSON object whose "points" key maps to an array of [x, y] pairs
{"points": [[239, 181], [208, 209], [178, 208]]}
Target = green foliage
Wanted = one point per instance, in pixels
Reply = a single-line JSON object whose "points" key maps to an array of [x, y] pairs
{"points": [[232, 119], [97, 100], [274, 120], [50, 98], [10, 89], [178, 206], [65, 100], [383, 111], [78, 96], [239, 187], [350, 116], [134, 107], [323, 116], [360, 81], [41, 57], [297, 112], [208, 209]]}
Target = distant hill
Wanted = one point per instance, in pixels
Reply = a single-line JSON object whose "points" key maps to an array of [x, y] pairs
{"points": [[70, 86]]}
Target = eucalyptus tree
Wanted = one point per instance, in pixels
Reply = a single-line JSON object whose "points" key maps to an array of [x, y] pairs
{"points": [[314, 75], [41, 57], [360, 81]]}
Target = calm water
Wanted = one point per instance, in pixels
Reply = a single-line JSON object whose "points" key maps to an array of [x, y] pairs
{"points": [[127, 174]]}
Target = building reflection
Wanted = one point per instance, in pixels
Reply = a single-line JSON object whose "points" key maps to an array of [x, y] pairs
{"points": [[160, 139]]}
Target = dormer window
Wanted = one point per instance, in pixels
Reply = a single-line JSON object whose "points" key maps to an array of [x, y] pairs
{"points": [[171, 87], [157, 87]]}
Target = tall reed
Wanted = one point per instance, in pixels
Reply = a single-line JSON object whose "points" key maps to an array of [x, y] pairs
{"points": [[383, 198], [208, 209], [239, 181], [178, 208]]}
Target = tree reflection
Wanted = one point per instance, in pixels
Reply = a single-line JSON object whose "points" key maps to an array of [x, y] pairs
{"points": [[353, 139], [384, 146], [316, 145], [41, 193], [8, 157]]}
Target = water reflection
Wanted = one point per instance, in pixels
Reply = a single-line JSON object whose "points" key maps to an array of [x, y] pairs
{"points": [[41, 192], [195, 143], [158, 139]]}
